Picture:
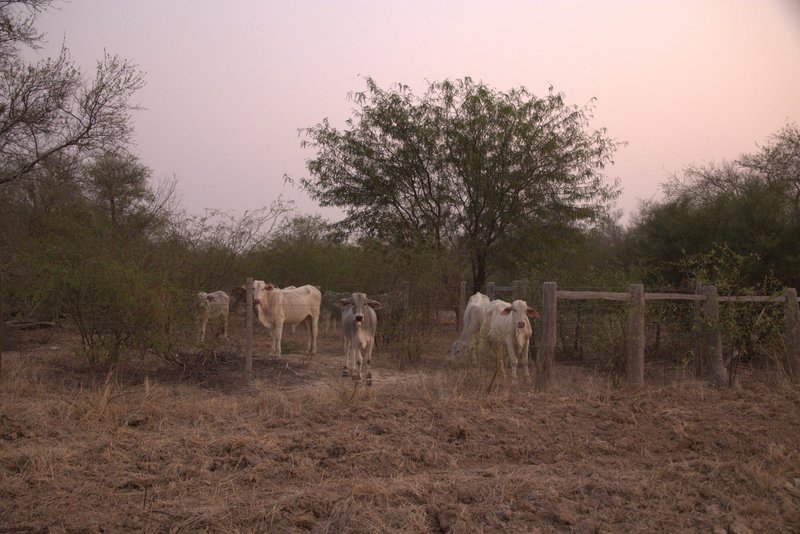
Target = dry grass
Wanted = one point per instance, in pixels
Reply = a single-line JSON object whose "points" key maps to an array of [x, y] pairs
{"points": [[425, 449]]}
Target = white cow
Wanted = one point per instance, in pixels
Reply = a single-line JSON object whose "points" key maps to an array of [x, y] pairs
{"points": [[278, 307], [212, 307], [508, 324], [474, 315], [359, 324]]}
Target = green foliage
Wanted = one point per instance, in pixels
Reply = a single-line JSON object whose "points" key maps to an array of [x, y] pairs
{"points": [[749, 207], [464, 167]]}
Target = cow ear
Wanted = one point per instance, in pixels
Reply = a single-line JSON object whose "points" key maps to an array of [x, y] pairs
{"points": [[506, 311], [532, 313], [269, 287], [374, 304]]}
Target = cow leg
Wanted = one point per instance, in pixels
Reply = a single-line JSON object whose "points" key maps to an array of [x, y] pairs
{"points": [[357, 361], [225, 327], [524, 359], [471, 352], [276, 340], [346, 344], [512, 360], [326, 323], [368, 361], [313, 330], [201, 331]]}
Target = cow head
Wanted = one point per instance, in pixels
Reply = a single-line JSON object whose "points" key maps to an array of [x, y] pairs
{"points": [[262, 290], [358, 301], [520, 311]]}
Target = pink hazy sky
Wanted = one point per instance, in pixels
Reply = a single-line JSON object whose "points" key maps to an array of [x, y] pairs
{"points": [[229, 83]]}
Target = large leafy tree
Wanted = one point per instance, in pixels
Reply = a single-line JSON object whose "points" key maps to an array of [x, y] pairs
{"points": [[462, 167], [48, 109]]}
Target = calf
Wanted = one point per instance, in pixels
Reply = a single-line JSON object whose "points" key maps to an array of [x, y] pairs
{"points": [[212, 307], [474, 315], [508, 324], [359, 324]]}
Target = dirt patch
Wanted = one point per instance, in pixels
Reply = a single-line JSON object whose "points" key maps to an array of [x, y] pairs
{"points": [[426, 449]]}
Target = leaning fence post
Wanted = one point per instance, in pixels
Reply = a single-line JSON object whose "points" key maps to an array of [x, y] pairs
{"points": [[490, 290], [515, 290], [636, 337], [248, 350], [547, 347], [717, 374], [791, 334]]}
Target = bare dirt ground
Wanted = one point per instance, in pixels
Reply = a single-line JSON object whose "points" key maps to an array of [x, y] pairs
{"points": [[148, 448]]}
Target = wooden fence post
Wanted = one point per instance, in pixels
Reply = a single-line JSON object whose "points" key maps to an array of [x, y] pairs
{"points": [[698, 329], [791, 334], [717, 374], [636, 337], [462, 305], [515, 290], [547, 347], [248, 350]]}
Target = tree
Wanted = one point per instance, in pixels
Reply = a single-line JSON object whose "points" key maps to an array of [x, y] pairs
{"points": [[463, 167], [779, 163], [749, 206], [48, 108], [118, 183]]}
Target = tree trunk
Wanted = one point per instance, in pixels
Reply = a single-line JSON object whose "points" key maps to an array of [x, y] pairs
{"points": [[478, 272]]}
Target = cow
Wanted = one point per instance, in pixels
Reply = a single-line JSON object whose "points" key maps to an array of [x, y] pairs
{"points": [[239, 298], [278, 307], [330, 312], [359, 324], [212, 307], [474, 314], [508, 324]]}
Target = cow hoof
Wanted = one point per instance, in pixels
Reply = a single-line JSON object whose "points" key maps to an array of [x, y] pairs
{"points": [[345, 372], [369, 381]]}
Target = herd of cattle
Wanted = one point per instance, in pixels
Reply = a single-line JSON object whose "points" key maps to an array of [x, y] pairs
{"points": [[488, 325]]}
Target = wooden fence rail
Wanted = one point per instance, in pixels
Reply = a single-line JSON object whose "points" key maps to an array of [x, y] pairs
{"points": [[711, 358]]}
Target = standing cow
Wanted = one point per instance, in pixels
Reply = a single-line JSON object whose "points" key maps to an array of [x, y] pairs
{"points": [[359, 324], [474, 315], [212, 307], [508, 324], [278, 307]]}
